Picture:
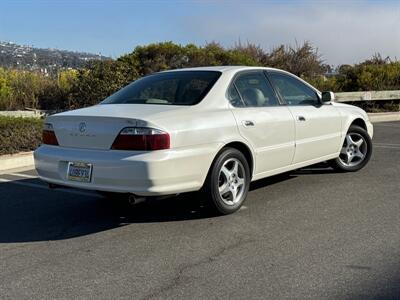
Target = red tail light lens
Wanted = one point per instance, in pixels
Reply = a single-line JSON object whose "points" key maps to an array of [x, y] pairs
{"points": [[141, 138], [48, 135]]}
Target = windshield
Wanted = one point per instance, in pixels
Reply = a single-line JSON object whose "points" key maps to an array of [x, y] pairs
{"points": [[169, 88]]}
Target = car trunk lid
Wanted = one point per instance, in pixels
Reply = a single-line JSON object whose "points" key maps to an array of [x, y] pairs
{"points": [[97, 127]]}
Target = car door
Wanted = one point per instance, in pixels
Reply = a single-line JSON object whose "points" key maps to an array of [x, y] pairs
{"points": [[263, 121], [318, 126]]}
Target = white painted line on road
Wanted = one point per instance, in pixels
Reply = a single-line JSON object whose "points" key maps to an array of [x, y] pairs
{"points": [[22, 175], [386, 147], [40, 186], [16, 170], [382, 125], [386, 144]]}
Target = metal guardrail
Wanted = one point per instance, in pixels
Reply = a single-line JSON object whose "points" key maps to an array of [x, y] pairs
{"points": [[22, 113], [367, 96], [27, 113]]}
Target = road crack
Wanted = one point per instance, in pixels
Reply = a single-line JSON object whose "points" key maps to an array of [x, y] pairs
{"points": [[179, 276]]}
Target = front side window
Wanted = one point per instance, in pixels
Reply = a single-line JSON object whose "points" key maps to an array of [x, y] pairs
{"points": [[255, 90], [292, 90], [169, 88]]}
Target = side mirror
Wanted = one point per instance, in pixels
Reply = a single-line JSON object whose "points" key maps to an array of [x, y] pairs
{"points": [[327, 97]]}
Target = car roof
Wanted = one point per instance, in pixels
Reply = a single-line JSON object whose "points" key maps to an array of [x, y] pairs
{"points": [[222, 68]]}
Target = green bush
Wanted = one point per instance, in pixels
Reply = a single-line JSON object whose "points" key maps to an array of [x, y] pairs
{"points": [[19, 134]]}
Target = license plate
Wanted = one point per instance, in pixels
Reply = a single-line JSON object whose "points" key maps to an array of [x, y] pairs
{"points": [[79, 171]]}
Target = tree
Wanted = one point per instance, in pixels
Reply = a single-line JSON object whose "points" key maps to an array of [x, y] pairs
{"points": [[303, 61], [5, 91], [99, 80]]}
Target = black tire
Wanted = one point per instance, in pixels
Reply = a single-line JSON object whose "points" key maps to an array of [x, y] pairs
{"points": [[338, 163], [211, 187]]}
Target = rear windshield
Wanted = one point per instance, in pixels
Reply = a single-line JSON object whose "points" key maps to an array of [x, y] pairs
{"points": [[169, 88]]}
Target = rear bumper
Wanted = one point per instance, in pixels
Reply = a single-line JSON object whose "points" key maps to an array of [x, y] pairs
{"points": [[143, 173]]}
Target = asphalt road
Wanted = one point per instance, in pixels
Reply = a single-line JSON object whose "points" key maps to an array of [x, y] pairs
{"points": [[312, 233]]}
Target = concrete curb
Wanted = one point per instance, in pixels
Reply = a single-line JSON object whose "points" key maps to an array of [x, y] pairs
{"points": [[25, 159], [22, 159], [384, 117]]}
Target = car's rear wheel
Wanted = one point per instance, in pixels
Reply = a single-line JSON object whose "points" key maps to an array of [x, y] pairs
{"points": [[228, 181], [355, 152]]}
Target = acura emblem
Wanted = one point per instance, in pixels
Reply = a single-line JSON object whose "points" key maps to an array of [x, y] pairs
{"points": [[82, 127]]}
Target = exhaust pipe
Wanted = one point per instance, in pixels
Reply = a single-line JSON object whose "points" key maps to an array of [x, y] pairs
{"points": [[134, 199]]}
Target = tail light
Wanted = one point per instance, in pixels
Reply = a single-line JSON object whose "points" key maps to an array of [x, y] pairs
{"points": [[48, 135], [141, 138]]}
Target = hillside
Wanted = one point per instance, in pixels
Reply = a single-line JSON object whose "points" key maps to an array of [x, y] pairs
{"points": [[46, 61]]}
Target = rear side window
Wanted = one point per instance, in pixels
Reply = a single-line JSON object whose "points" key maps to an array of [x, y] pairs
{"points": [[170, 88], [292, 90], [234, 96], [255, 90]]}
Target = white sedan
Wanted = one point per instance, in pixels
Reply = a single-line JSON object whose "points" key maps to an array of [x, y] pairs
{"points": [[210, 129]]}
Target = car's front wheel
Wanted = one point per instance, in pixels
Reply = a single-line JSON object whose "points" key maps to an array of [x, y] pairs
{"points": [[355, 152], [228, 181]]}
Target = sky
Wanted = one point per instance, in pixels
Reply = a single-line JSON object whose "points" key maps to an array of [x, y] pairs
{"points": [[345, 32]]}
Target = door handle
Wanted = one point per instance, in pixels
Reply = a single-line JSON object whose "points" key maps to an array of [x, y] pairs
{"points": [[301, 118], [247, 123]]}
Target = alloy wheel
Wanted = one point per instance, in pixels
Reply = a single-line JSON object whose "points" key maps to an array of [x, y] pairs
{"points": [[231, 182], [354, 150]]}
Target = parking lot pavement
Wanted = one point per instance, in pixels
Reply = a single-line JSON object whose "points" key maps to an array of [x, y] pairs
{"points": [[312, 233]]}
